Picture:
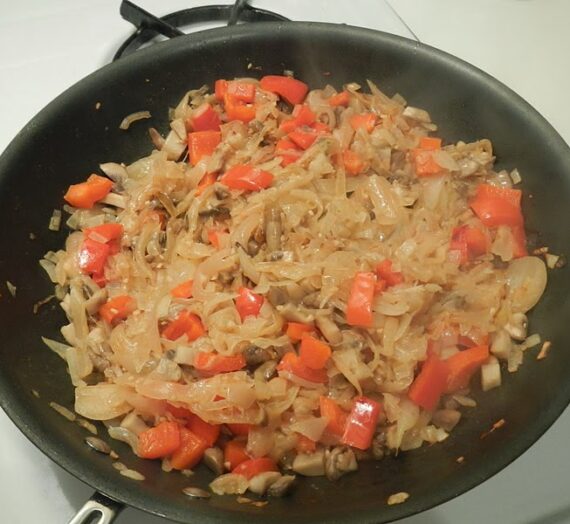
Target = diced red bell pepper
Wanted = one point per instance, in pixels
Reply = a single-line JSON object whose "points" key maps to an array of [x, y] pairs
{"points": [[462, 365], [93, 256], [241, 91], [495, 212], [286, 145], [99, 279], [430, 384], [182, 290], [359, 305], [423, 157], [104, 233], [220, 89], [289, 158], [474, 337], [86, 194], [117, 308], [185, 323], [216, 236], [291, 363], [380, 286], [385, 272], [202, 144], [235, 453], [513, 196], [314, 353], [340, 99], [365, 121], [208, 180], [237, 110], [288, 88], [248, 303], [430, 143], [205, 118], [190, 452], [288, 151], [302, 116], [247, 178], [353, 163], [305, 444], [160, 441], [296, 330], [361, 423], [304, 138], [206, 431], [425, 163], [471, 242], [100, 242], [213, 363], [335, 414], [497, 206], [179, 412], [252, 467]]}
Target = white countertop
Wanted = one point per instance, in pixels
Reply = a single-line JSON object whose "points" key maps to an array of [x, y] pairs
{"points": [[47, 46]]}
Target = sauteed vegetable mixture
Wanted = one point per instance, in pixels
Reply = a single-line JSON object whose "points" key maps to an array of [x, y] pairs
{"points": [[292, 282]]}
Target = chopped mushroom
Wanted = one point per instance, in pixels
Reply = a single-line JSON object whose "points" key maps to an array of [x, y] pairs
{"points": [[551, 260], [254, 355], [517, 326], [328, 328], [379, 448], [282, 486], [310, 464], [490, 374], [98, 445], [446, 419], [196, 493], [214, 459], [501, 345], [266, 371], [296, 313], [229, 484], [338, 461], [253, 247], [398, 498], [262, 482]]}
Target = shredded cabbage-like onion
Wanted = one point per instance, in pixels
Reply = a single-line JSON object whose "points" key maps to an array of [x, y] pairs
{"points": [[224, 267]]}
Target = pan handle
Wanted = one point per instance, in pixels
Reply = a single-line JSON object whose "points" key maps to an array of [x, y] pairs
{"points": [[98, 506], [149, 26]]}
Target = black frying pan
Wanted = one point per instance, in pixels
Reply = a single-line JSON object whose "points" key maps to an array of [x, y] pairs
{"points": [[69, 138]]}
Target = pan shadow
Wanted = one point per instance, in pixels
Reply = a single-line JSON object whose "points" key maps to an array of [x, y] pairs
{"points": [[77, 493]]}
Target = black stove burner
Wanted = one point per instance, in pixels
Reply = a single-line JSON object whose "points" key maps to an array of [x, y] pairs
{"points": [[149, 26]]}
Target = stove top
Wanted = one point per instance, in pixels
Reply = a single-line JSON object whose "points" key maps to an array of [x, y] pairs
{"points": [[47, 46]]}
